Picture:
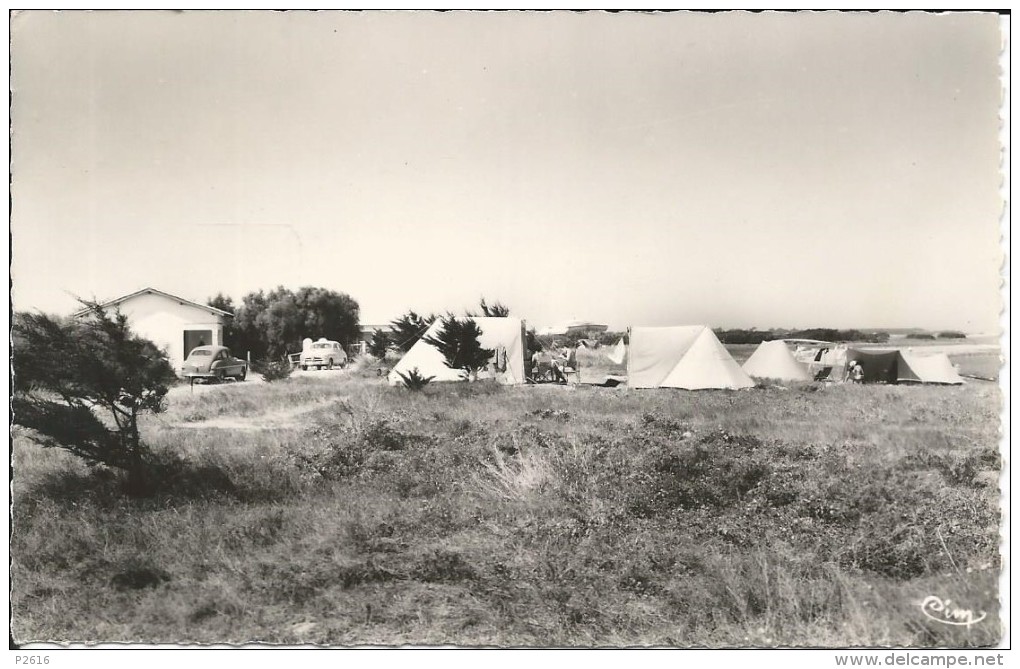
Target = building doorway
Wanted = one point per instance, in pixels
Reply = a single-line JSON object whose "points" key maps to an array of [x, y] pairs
{"points": [[193, 338]]}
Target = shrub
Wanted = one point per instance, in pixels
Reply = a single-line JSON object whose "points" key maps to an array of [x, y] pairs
{"points": [[368, 367], [274, 370], [370, 443], [716, 471], [414, 380], [380, 343]]}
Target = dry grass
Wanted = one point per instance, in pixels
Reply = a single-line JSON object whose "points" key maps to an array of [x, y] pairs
{"points": [[480, 515]]}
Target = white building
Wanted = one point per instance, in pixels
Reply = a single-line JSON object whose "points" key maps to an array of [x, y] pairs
{"points": [[173, 323], [573, 327]]}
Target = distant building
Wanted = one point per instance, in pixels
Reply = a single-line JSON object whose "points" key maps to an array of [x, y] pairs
{"points": [[585, 327], [573, 327], [173, 323]]}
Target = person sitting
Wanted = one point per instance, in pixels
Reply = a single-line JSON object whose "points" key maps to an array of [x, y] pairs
{"points": [[557, 371], [566, 359]]}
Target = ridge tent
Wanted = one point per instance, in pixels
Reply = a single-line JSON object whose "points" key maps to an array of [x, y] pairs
{"points": [[879, 366], [892, 366], [505, 336], [773, 360], [686, 356]]}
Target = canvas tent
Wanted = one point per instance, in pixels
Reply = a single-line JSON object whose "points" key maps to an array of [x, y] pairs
{"points": [[505, 336], [892, 366], [773, 360], [879, 365], [688, 356]]}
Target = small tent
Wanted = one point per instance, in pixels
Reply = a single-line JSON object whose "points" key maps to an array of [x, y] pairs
{"points": [[773, 360], [505, 336], [937, 368], [688, 357]]}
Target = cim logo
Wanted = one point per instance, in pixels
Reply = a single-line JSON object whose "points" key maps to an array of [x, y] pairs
{"points": [[943, 611]]}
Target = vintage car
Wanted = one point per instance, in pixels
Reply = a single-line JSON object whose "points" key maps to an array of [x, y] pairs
{"points": [[323, 353], [214, 362]]}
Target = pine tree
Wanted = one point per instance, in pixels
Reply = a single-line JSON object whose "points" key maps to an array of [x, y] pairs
{"points": [[67, 372], [380, 343], [409, 328], [458, 341], [496, 310]]}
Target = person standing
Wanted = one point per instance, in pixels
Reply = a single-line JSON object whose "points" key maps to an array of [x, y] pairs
{"points": [[855, 372]]}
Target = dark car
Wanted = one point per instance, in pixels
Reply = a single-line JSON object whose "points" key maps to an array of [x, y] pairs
{"points": [[214, 362]]}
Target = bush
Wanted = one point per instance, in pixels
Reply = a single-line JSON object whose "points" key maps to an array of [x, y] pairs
{"points": [[414, 380], [370, 443], [380, 343], [274, 370], [717, 470]]}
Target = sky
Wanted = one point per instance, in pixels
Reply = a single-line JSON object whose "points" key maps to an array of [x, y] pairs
{"points": [[732, 169]]}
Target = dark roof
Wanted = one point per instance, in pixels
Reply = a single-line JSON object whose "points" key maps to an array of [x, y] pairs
{"points": [[153, 291]]}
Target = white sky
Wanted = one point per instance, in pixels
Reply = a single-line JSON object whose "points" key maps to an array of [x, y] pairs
{"points": [[734, 169]]}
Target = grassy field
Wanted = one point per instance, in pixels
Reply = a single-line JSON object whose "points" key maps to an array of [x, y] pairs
{"points": [[474, 514]]}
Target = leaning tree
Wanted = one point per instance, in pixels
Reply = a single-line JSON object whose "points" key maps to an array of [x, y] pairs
{"points": [[70, 374]]}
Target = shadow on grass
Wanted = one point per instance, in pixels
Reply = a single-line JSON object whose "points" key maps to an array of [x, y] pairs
{"points": [[165, 479]]}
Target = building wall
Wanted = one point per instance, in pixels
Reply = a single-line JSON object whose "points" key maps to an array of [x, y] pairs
{"points": [[164, 320]]}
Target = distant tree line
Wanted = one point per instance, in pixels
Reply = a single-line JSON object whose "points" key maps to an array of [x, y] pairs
{"points": [[755, 336]]}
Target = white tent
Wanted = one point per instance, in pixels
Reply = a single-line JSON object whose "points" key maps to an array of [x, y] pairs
{"points": [[936, 368], [688, 356], [505, 336], [773, 360]]}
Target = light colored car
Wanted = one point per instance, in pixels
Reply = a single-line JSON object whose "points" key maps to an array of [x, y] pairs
{"points": [[324, 353], [214, 362]]}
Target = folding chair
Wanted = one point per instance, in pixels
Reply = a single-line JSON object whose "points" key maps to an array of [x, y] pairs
{"points": [[570, 366], [542, 370]]}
